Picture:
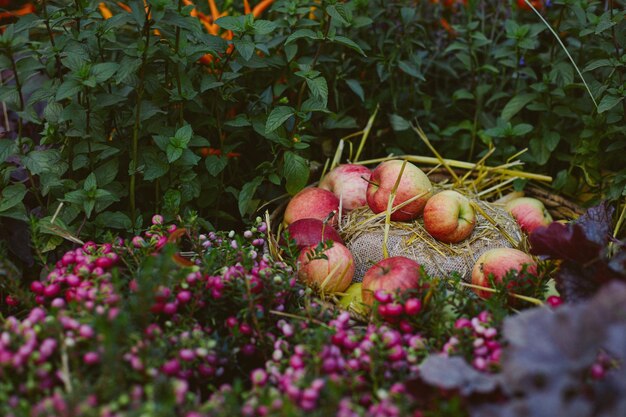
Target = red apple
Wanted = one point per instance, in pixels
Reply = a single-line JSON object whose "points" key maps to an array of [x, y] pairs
{"points": [[312, 203], [392, 274], [349, 183], [333, 274], [449, 217], [310, 232], [529, 213], [498, 262], [413, 182]]}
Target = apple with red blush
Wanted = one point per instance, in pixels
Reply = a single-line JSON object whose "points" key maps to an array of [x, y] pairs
{"points": [[391, 275], [310, 232], [349, 183], [449, 217], [497, 263], [329, 273], [413, 183], [529, 213], [312, 203]]}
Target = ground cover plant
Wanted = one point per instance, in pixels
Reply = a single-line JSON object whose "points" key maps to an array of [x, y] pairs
{"points": [[210, 113]]}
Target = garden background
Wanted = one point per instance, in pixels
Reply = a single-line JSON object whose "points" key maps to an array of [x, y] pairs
{"points": [[208, 113]]}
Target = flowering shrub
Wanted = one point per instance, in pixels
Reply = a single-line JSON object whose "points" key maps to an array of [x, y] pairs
{"points": [[178, 322]]}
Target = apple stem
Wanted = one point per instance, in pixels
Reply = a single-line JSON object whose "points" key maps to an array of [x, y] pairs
{"points": [[329, 217], [370, 181]]}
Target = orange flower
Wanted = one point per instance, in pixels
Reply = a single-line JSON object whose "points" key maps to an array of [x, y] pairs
{"points": [[261, 7], [105, 11], [22, 11], [124, 7], [444, 23]]}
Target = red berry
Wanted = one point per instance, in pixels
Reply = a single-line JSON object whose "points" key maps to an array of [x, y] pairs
{"points": [[11, 301], [412, 306], [554, 301]]}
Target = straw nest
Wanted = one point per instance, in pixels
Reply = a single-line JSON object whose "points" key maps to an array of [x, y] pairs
{"points": [[364, 234]]}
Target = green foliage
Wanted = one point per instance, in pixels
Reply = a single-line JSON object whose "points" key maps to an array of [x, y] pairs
{"points": [[112, 118]]}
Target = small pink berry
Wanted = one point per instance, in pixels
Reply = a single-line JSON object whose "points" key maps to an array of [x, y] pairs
{"points": [[184, 296], [412, 306], [91, 358], [157, 219], [383, 296], [170, 308], [554, 301], [51, 290], [258, 377], [37, 287]]}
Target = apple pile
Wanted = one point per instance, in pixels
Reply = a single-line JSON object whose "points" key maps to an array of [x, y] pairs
{"points": [[448, 216]]}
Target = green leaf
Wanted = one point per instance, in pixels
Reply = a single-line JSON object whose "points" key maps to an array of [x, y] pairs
{"points": [[411, 69], [301, 33], [608, 102], [277, 117], [246, 194], [156, 165], [88, 206], [349, 43], [173, 153], [539, 150], [236, 24], [68, 89], [312, 104], [75, 197], [516, 104], [398, 123], [114, 220], [12, 195], [598, 63], [340, 13], [215, 164], [263, 27], [241, 120], [39, 162], [245, 47], [171, 202], [7, 148], [107, 172], [356, 88], [522, 129], [90, 182], [184, 134], [295, 171], [319, 88], [104, 71]]}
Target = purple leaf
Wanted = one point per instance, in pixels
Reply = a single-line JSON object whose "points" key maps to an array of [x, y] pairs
{"points": [[453, 373], [560, 241], [596, 223]]}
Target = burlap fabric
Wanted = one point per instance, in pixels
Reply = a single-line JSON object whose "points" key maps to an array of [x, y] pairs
{"points": [[412, 240]]}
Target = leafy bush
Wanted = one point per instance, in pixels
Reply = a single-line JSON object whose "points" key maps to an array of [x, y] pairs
{"points": [[158, 110]]}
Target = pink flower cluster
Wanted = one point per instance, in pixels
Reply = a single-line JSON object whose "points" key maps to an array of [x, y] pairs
{"points": [[481, 337]]}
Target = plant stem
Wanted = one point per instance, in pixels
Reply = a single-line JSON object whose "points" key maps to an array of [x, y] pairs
{"points": [[18, 86], [178, 82], [140, 87], [46, 22], [303, 86]]}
